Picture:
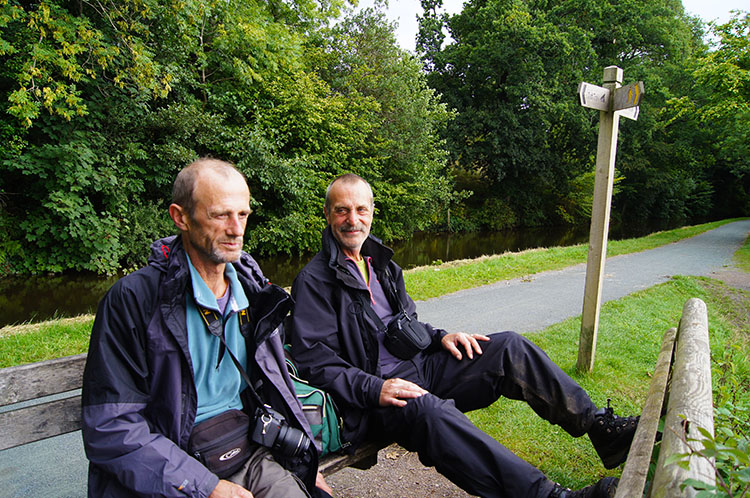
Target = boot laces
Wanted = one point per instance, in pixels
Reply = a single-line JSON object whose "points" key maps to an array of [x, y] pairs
{"points": [[613, 423]]}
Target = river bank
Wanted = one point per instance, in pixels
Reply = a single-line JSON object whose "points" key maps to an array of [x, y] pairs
{"points": [[42, 297], [631, 329], [440, 278]]}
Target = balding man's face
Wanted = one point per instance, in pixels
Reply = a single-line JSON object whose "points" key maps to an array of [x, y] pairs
{"points": [[349, 213], [216, 229]]}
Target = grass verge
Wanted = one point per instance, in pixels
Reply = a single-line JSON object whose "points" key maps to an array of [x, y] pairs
{"points": [[742, 257], [630, 334], [46, 340]]}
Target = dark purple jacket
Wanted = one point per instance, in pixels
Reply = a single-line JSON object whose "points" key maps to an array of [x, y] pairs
{"points": [[333, 340], [139, 398]]}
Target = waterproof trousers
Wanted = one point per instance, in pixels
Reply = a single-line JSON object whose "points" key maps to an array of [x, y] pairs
{"points": [[266, 478], [435, 427]]}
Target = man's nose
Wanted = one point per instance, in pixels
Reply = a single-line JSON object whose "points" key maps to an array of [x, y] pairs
{"points": [[235, 225], [351, 218]]}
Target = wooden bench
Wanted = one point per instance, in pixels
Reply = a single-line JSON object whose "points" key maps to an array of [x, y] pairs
{"points": [[680, 387], [42, 400], [680, 391]]}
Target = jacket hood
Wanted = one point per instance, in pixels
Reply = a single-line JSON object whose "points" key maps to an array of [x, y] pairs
{"points": [[159, 252], [161, 249]]}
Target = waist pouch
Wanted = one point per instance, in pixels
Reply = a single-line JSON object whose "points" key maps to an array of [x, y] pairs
{"points": [[404, 337], [222, 443]]}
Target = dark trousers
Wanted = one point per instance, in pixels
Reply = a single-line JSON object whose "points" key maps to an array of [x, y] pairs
{"points": [[435, 427]]}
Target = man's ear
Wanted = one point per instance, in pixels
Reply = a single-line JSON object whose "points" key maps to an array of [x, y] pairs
{"points": [[179, 216]]}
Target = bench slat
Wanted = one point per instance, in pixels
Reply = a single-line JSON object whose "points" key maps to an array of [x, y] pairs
{"points": [[36, 380], [40, 422], [633, 480], [365, 457]]}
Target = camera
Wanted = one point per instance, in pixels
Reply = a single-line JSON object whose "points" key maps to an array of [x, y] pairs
{"points": [[272, 431]]}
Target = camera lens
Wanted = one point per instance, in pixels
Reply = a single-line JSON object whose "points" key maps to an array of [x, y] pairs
{"points": [[291, 442]]}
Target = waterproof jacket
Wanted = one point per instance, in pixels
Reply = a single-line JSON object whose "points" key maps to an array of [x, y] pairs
{"points": [[139, 397], [334, 340]]}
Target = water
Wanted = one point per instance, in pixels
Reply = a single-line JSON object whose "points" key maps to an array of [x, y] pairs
{"points": [[39, 298]]}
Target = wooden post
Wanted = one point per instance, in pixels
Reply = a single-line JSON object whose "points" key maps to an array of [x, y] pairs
{"points": [[635, 473], [603, 183]]}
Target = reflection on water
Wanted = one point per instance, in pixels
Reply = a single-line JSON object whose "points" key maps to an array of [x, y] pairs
{"points": [[39, 298], [42, 297]]}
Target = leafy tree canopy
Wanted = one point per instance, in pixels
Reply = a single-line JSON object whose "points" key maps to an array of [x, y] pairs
{"points": [[105, 101]]}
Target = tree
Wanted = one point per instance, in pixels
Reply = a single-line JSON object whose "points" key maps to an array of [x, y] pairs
{"points": [[360, 59], [108, 99], [511, 72], [141, 87], [716, 110]]}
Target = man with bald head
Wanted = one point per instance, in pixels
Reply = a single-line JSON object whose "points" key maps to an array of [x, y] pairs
{"points": [[175, 346], [348, 328]]}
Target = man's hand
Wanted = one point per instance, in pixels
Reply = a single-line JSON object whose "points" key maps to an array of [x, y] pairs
{"points": [[226, 489], [322, 484], [468, 341], [396, 391]]}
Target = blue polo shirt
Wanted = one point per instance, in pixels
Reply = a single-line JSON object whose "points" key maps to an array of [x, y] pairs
{"points": [[218, 383]]}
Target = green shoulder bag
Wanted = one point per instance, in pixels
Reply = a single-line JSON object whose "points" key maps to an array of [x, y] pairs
{"points": [[320, 412]]}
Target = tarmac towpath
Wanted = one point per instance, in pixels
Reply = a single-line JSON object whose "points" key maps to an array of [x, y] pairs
{"points": [[56, 468], [534, 302]]}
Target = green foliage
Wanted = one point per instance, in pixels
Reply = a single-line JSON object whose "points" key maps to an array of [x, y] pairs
{"points": [[728, 451], [511, 73], [105, 101], [716, 111], [402, 155]]}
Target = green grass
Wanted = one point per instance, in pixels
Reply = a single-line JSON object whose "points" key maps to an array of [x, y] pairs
{"points": [[432, 281], [742, 257], [51, 339], [630, 334]]}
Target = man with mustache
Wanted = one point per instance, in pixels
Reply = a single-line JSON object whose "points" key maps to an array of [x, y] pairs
{"points": [[349, 299], [175, 346]]}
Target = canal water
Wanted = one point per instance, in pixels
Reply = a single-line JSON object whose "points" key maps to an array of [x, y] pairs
{"points": [[43, 297]]}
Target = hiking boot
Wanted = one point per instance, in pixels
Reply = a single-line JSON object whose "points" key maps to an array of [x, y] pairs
{"points": [[611, 436], [605, 488]]}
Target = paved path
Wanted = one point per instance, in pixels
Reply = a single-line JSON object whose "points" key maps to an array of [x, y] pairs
{"points": [[532, 303], [56, 468]]}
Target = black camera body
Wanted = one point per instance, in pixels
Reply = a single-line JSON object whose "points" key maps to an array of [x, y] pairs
{"points": [[272, 431]]}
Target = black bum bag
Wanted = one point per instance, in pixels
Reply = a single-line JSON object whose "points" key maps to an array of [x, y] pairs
{"points": [[405, 337], [222, 443]]}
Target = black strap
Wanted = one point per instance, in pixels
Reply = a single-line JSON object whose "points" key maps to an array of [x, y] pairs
{"points": [[391, 290], [371, 312], [216, 327]]}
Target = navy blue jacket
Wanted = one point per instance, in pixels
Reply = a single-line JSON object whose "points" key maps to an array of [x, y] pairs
{"points": [[139, 397], [334, 341]]}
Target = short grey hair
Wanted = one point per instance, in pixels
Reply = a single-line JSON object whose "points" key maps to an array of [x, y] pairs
{"points": [[348, 178], [184, 184]]}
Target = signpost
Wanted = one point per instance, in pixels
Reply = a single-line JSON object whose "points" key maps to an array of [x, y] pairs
{"points": [[612, 100]]}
